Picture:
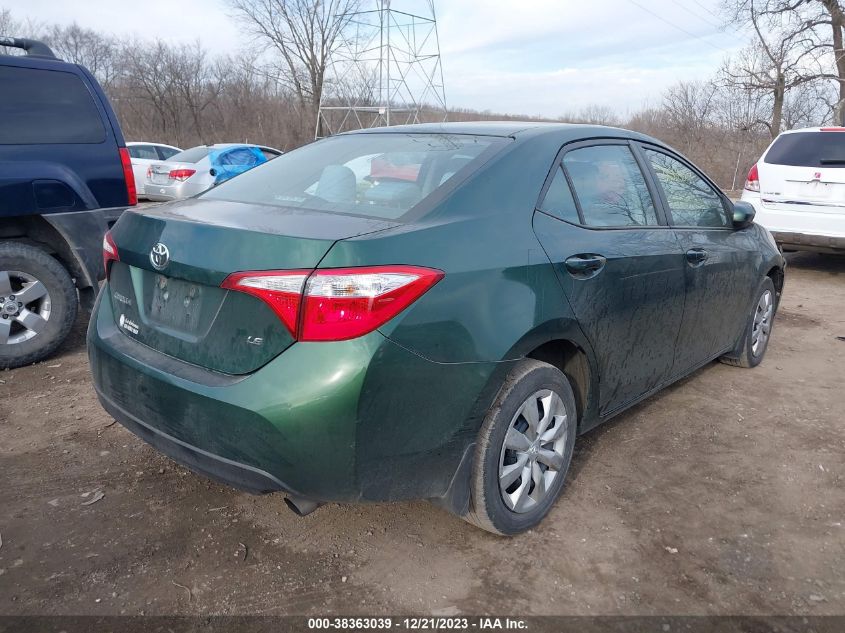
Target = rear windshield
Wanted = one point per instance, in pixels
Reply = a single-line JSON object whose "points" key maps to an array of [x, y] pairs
{"points": [[193, 155], [808, 149], [46, 106], [373, 175]]}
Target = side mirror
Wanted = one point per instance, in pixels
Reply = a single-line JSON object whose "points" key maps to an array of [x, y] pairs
{"points": [[743, 214]]}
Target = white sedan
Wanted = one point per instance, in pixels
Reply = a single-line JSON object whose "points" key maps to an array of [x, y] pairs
{"points": [[142, 155]]}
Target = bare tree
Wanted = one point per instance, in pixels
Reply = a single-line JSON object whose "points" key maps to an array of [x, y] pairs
{"points": [[302, 33], [98, 53], [822, 30], [782, 58]]}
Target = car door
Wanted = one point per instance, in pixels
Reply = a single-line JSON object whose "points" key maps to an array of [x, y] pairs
{"points": [[721, 262], [620, 265]]}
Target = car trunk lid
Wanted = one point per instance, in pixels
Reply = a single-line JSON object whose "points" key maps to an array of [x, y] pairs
{"points": [[165, 290]]}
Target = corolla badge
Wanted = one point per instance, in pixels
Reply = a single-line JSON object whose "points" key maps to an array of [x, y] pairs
{"points": [[159, 256]]}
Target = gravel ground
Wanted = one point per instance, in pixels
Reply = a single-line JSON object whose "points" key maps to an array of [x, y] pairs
{"points": [[722, 495]]}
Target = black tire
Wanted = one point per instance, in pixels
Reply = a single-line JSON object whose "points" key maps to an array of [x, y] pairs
{"points": [[15, 256], [747, 356], [488, 509]]}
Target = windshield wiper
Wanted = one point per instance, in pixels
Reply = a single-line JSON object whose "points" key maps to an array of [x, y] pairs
{"points": [[832, 161]]}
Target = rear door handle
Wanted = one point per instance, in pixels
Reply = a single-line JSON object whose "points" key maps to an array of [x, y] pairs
{"points": [[696, 256], [585, 265]]}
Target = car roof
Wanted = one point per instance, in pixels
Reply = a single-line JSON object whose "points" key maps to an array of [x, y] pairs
{"points": [[131, 143], [514, 129], [216, 145], [826, 128]]}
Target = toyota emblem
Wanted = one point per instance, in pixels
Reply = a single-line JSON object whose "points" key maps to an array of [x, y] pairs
{"points": [[159, 256]]}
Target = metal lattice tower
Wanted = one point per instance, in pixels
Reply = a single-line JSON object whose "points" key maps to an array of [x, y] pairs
{"points": [[384, 70]]}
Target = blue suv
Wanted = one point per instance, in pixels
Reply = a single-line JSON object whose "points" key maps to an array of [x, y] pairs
{"points": [[65, 177]]}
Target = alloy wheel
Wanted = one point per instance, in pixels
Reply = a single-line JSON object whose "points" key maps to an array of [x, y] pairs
{"points": [[762, 324], [533, 451], [25, 307]]}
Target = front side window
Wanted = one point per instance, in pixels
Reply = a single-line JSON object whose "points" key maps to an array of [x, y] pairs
{"points": [[610, 187], [46, 107], [374, 175], [692, 201]]}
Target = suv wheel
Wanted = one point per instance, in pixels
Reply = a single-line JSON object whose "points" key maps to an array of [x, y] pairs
{"points": [[755, 337], [38, 304], [524, 449]]}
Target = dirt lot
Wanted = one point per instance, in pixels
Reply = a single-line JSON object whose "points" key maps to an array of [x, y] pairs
{"points": [[723, 495]]}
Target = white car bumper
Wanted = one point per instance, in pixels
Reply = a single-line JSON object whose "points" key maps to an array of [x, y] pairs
{"points": [[800, 226]]}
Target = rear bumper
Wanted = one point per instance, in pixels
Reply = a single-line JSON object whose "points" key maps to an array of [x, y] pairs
{"points": [[202, 462], [178, 191], [353, 420], [804, 242], [800, 227]]}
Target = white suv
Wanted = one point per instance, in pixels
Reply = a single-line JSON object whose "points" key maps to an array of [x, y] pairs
{"points": [[797, 189]]}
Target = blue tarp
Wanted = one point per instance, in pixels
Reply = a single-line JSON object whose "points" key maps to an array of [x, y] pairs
{"points": [[231, 161]]}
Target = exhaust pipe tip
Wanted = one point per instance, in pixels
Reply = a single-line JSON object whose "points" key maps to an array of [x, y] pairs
{"points": [[301, 507]]}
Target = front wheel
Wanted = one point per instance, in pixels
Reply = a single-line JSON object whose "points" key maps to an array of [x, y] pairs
{"points": [[524, 449], [755, 337]]}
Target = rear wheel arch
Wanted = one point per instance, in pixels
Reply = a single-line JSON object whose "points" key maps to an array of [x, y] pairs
{"points": [[571, 359], [36, 231]]}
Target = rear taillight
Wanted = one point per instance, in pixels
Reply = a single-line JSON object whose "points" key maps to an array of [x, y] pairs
{"points": [[109, 252], [181, 174], [336, 304], [281, 290], [752, 183], [128, 176]]}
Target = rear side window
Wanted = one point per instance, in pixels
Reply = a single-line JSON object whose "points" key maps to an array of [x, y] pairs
{"points": [[610, 187], [558, 200], [143, 151], [269, 154], [193, 155], [166, 152], [808, 149], [373, 175], [691, 200], [46, 106]]}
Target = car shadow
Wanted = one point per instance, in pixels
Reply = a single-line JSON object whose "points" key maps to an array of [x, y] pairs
{"points": [[585, 444], [817, 262]]}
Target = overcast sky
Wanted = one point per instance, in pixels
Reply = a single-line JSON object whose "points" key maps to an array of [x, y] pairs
{"points": [[544, 57]]}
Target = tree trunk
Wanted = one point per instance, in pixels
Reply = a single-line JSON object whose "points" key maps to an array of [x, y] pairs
{"points": [[837, 21], [777, 106]]}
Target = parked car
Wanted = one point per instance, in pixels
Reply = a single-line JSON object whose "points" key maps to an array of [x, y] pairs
{"points": [[194, 170], [441, 325], [144, 154], [798, 189], [65, 177]]}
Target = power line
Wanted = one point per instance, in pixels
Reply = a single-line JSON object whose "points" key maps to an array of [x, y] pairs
{"points": [[721, 26], [680, 28], [706, 9], [699, 16]]}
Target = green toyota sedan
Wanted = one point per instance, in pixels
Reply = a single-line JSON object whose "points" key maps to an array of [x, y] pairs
{"points": [[428, 311]]}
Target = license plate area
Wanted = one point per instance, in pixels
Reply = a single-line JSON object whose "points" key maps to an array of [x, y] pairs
{"points": [[176, 304]]}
